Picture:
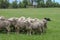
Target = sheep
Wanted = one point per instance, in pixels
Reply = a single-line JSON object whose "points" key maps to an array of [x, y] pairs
{"points": [[44, 23], [5, 24], [36, 24], [45, 20], [33, 26], [20, 24], [13, 22]]}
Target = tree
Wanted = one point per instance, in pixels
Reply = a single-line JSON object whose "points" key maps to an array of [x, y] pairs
{"points": [[14, 4], [56, 4], [48, 3], [25, 2], [0, 3], [32, 2], [21, 5], [40, 3], [4, 3], [29, 2]]}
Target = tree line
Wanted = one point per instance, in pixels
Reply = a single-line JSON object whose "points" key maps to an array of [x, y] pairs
{"points": [[29, 3]]}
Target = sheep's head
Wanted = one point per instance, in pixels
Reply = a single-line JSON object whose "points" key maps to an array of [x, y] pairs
{"points": [[13, 20], [2, 18], [48, 19], [27, 23]]}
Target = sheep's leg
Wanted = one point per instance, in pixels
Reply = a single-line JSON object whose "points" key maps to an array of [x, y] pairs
{"points": [[45, 28], [28, 32], [8, 29], [45, 25], [40, 30], [17, 29], [33, 32]]}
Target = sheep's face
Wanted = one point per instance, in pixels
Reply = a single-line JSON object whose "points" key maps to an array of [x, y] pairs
{"points": [[48, 19]]}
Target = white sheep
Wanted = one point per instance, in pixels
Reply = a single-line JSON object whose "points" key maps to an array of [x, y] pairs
{"points": [[20, 24], [5, 24], [13, 22], [33, 26]]}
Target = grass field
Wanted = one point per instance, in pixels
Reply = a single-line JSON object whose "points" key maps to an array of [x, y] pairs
{"points": [[53, 31]]}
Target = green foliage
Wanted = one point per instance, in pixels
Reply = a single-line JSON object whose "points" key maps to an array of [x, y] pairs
{"points": [[40, 3], [28, 3], [25, 2], [4, 3], [14, 4], [49, 3], [21, 5], [57, 4]]}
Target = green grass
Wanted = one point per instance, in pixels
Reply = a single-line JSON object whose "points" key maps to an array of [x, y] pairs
{"points": [[53, 31]]}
